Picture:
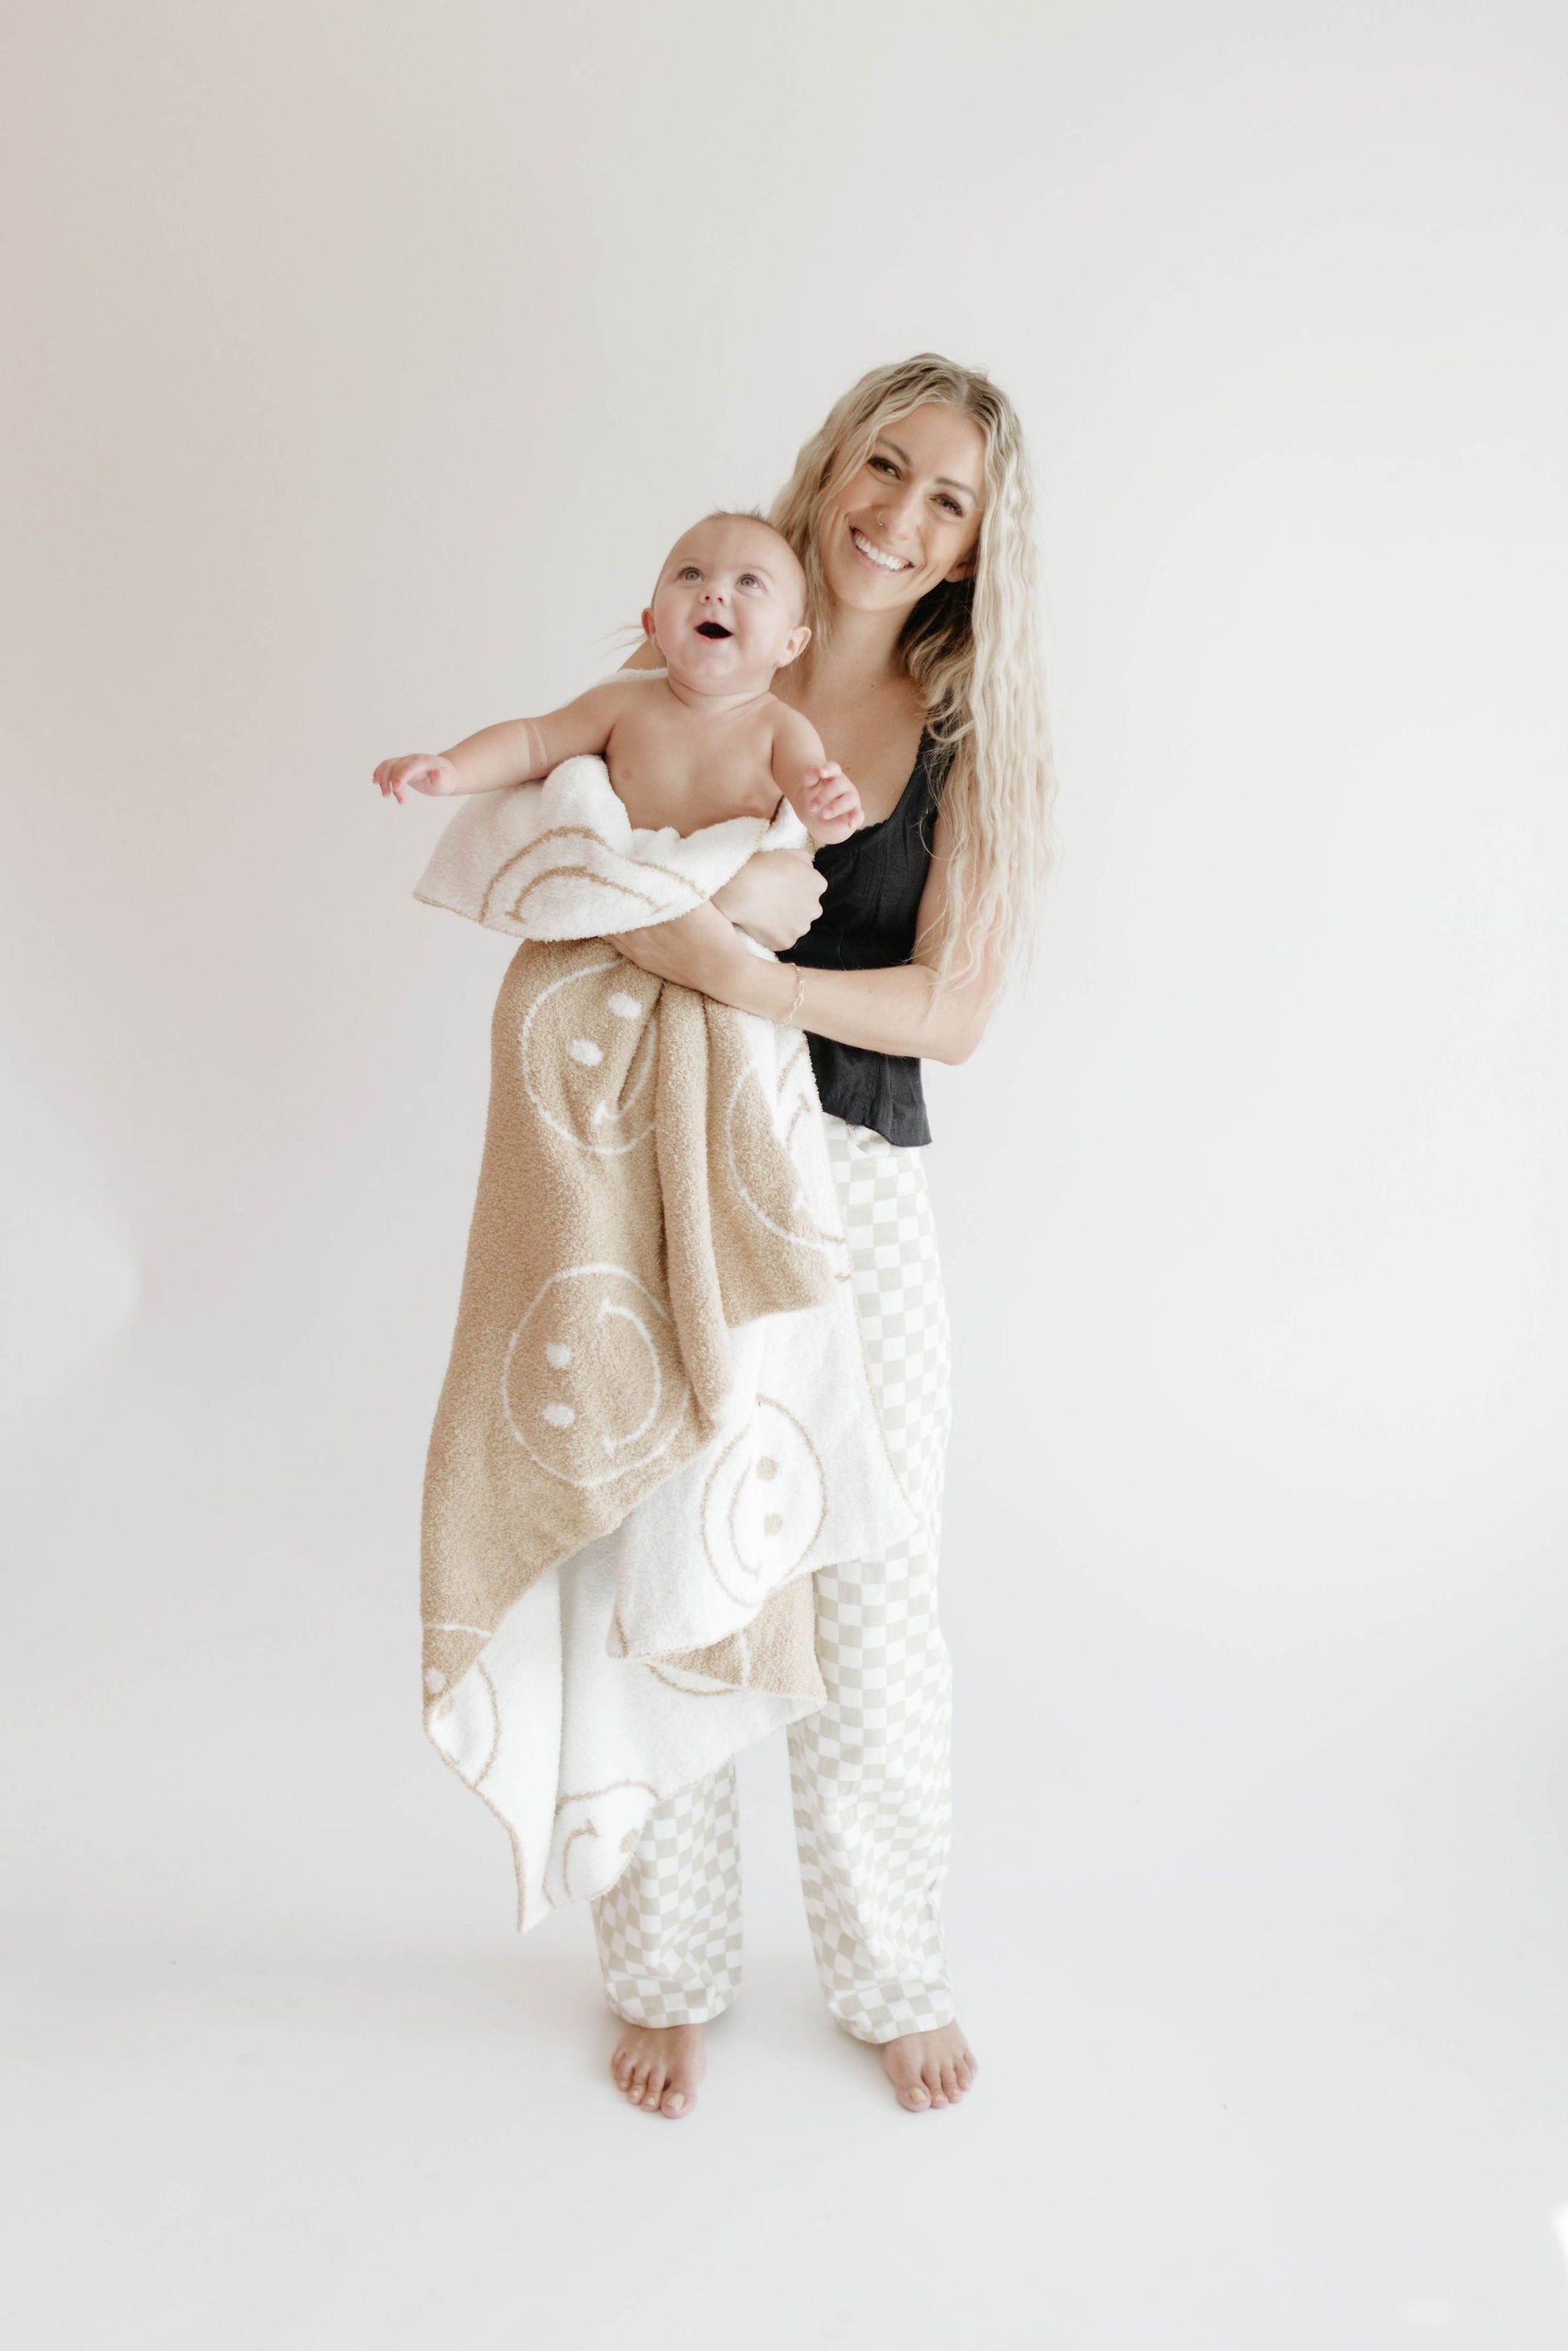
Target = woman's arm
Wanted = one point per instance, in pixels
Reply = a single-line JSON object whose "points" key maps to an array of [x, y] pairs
{"points": [[894, 1010]]}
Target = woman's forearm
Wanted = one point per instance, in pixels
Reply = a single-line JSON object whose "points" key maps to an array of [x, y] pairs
{"points": [[896, 1009]]}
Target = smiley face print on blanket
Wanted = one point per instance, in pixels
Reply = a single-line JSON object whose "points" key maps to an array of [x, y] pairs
{"points": [[763, 1504], [593, 1382], [588, 1049]]}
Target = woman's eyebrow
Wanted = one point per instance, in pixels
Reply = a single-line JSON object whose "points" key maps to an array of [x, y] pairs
{"points": [[944, 480]]}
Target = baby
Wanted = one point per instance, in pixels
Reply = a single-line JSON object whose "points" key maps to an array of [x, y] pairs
{"points": [[706, 741]]}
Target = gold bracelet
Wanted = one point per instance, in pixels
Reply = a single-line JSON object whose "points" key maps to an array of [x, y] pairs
{"points": [[794, 1012]]}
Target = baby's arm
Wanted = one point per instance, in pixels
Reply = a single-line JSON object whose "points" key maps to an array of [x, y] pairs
{"points": [[821, 794], [518, 751]]}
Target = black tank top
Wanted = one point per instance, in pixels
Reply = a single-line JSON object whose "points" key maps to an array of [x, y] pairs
{"points": [[867, 920]]}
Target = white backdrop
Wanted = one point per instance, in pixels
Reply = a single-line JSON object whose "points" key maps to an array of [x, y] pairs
{"points": [[362, 361]]}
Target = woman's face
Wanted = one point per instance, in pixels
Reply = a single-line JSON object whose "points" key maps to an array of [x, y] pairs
{"points": [[910, 517]]}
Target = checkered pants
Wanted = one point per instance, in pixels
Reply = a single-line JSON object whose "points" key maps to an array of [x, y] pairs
{"points": [[869, 1769]]}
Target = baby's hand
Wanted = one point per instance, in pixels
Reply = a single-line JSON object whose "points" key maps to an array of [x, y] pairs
{"points": [[833, 808], [417, 771]]}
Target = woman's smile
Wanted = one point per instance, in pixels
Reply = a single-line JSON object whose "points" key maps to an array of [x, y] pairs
{"points": [[877, 555]]}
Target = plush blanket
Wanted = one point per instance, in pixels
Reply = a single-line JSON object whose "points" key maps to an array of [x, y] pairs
{"points": [[656, 1421]]}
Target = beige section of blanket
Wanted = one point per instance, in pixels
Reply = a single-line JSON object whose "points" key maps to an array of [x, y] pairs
{"points": [[637, 1201], [656, 1421]]}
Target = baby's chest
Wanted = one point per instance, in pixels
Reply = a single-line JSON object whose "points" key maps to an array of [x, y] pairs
{"points": [[692, 777]]}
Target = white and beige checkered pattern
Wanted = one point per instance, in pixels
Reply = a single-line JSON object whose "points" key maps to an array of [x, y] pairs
{"points": [[669, 1928], [869, 1769]]}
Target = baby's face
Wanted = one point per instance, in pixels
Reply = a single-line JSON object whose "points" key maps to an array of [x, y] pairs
{"points": [[726, 612]]}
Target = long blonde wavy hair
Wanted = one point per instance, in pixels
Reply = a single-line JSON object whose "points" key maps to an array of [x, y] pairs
{"points": [[970, 646]]}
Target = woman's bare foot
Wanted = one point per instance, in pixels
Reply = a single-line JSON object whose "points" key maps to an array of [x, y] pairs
{"points": [[930, 2069], [658, 2066]]}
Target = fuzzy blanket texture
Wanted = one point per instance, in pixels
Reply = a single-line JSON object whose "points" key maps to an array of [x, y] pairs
{"points": [[656, 1422]]}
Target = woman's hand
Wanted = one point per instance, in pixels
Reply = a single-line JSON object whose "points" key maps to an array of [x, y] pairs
{"points": [[777, 896], [416, 771]]}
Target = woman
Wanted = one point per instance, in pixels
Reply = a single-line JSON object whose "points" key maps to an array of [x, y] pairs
{"points": [[911, 512]]}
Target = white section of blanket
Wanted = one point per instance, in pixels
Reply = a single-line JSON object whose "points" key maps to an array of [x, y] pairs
{"points": [[561, 860], [571, 1727], [568, 1725], [571, 1747]]}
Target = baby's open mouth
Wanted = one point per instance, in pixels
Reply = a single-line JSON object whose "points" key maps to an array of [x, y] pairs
{"points": [[713, 629]]}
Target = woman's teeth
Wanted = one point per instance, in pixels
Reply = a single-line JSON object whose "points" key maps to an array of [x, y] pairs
{"points": [[874, 554]]}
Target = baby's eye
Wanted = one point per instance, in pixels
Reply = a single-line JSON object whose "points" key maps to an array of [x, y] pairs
{"points": [[688, 572], [748, 579]]}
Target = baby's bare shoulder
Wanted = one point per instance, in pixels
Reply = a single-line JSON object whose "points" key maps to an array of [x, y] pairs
{"points": [[636, 704]]}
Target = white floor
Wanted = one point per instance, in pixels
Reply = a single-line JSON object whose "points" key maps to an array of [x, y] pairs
{"points": [[1272, 2047]]}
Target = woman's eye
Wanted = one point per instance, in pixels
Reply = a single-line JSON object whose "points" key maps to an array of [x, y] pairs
{"points": [[885, 464], [952, 506]]}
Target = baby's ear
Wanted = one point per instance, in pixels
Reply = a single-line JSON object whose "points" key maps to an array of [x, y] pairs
{"points": [[795, 644], [648, 624]]}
